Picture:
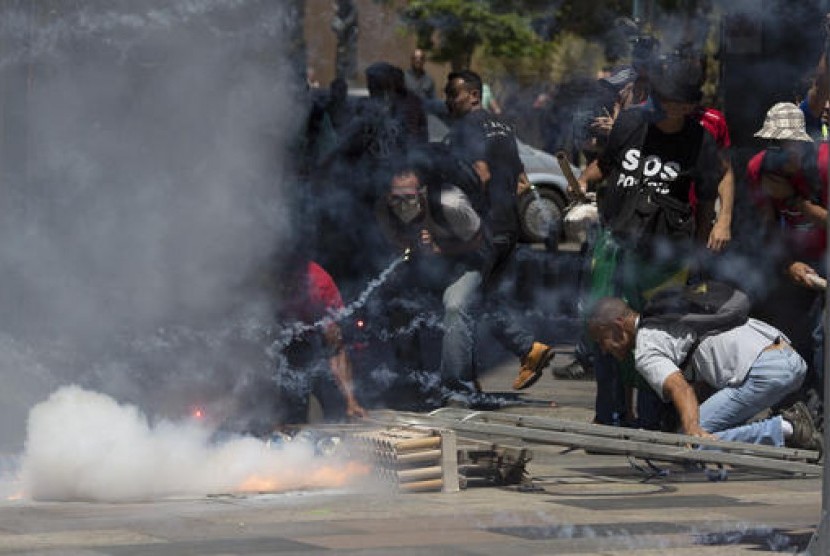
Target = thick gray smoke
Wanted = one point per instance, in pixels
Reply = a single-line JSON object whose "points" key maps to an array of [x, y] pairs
{"points": [[142, 178]]}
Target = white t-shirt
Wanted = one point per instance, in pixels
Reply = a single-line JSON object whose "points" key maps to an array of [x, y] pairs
{"points": [[720, 360]]}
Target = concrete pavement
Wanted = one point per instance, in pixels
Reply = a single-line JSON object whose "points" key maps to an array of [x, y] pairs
{"points": [[580, 504]]}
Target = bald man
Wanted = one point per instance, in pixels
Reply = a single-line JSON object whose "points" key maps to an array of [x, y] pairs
{"points": [[417, 79]]}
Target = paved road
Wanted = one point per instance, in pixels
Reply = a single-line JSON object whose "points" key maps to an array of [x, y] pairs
{"points": [[583, 504]]}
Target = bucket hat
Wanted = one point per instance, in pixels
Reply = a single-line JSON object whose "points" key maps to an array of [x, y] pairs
{"points": [[784, 121]]}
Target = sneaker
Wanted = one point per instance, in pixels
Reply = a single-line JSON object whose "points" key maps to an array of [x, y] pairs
{"points": [[572, 371], [805, 435], [532, 365]]}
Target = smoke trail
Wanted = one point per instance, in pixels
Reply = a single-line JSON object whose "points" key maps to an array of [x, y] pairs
{"points": [[291, 331], [70, 456]]}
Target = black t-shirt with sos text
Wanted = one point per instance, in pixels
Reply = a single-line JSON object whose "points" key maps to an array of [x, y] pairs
{"points": [[640, 154]]}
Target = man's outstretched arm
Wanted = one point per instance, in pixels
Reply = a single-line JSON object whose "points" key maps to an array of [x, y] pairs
{"points": [[685, 402]]}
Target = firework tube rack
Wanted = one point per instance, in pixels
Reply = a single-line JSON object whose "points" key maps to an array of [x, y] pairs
{"points": [[412, 459]]}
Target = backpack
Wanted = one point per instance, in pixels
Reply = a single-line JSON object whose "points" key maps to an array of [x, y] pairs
{"points": [[707, 308]]}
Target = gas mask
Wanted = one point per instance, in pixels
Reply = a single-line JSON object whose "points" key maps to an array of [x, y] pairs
{"points": [[406, 208]]}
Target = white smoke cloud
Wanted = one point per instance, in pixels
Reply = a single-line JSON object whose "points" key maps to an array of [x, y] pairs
{"points": [[83, 445]]}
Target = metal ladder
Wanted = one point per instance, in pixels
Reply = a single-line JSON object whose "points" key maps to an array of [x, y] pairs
{"points": [[654, 445]]}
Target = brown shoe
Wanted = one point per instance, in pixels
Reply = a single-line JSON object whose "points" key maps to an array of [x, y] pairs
{"points": [[532, 365]]}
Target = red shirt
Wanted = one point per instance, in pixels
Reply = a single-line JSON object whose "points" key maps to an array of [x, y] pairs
{"points": [[323, 295], [807, 240], [317, 298]]}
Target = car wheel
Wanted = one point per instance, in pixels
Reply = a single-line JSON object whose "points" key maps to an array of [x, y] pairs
{"points": [[540, 215]]}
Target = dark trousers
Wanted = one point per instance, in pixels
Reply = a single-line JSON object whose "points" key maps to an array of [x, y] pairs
{"points": [[506, 328]]}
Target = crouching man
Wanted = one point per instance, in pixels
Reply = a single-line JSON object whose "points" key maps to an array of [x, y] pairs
{"points": [[750, 367], [437, 221]]}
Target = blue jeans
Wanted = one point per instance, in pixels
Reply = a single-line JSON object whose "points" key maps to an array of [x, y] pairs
{"points": [[462, 300], [458, 345], [768, 431], [773, 375]]}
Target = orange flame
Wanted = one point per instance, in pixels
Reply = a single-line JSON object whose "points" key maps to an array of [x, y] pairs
{"points": [[16, 496], [326, 476]]}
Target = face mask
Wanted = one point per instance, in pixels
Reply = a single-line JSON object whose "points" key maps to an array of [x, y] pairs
{"points": [[407, 209]]}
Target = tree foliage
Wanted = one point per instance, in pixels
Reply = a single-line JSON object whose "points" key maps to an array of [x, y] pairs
{"points": [[550, 39], [461, 26]]}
